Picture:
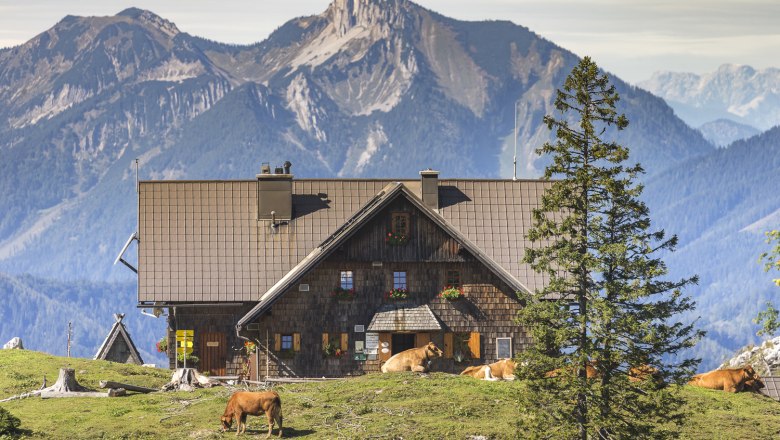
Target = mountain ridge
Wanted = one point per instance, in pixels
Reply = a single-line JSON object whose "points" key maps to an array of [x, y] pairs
{"points": [[738, 93]]}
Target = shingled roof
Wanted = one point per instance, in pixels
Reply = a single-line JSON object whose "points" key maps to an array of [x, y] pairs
{"points": [[401, 317], [200, 241]]}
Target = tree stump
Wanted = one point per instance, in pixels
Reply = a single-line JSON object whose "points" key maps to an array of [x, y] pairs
{"points": [[187, 379], [66, 382]]}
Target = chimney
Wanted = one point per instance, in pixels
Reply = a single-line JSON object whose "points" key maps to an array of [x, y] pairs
{"points": [[430, 188], [274, 193]]}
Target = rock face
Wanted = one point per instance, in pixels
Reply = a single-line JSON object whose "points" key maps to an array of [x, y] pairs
{"points": [[765, 358], [14, 344]]}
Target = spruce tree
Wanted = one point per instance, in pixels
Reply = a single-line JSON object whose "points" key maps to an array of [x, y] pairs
{"points": [[607, 307]]}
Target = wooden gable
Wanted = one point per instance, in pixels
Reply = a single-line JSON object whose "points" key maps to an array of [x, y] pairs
{"points": [[425, 241]]}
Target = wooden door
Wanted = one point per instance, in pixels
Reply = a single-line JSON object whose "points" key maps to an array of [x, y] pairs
{"points": [[213, 353]]}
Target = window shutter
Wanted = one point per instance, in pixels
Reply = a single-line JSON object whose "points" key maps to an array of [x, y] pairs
{"points": [[448, 345], [344, 341], [277, 342], [421, 339], [385, 337], [474, 345], [296, 342], [324, 340]]}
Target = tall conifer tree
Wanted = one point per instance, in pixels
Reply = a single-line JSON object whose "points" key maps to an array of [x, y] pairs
{"points": [[606, 308]]}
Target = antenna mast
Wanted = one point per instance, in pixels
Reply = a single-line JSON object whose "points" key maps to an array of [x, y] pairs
{"points": [[514, 163], [136, 173]]}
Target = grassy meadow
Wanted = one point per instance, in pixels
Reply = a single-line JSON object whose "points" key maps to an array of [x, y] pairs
{"points": [[395, 406]]}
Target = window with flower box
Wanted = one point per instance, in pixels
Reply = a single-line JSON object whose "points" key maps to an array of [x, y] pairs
{"points": [[399, 280], [400, 223], [335, 345], [453, 278], [398, 234], [347, 280]]}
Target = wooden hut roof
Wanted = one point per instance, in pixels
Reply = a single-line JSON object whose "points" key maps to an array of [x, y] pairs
{"points": [[118, 334]]}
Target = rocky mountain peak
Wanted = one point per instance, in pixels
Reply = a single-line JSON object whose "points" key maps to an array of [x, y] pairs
{"points": [[151, 19], [369, 14]]}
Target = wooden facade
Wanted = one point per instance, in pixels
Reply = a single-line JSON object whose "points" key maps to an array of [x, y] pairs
{"points": [[291, 334]]}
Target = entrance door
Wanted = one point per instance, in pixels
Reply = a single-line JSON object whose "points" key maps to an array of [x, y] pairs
{"points": [[401, 342], [213, 353]]}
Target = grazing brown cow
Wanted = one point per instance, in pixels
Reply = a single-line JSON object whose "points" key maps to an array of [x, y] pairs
{"points": [[414, 359], [245, 403], [590, 371], [503, 369], [731, 380]]}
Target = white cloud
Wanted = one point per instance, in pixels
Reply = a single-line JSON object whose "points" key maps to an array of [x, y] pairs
{"points": [[621, 35]]}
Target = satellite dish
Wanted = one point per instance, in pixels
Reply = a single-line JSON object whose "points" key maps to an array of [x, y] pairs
{"points": [[385, 350], [385, 344]]}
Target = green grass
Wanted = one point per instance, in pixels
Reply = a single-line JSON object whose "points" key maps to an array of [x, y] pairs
{"points": [[376, 406]]}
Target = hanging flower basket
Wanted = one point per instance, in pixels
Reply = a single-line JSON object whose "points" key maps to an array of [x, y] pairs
{"points": [[452, 293], [395, 239], [343, 294], [397, 294], [162, 345]]}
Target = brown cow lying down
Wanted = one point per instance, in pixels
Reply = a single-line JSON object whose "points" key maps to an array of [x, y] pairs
{"points": [[730, 380], [590, 371], [245, 403], [414, 359], [643, 373], [503, 369]]}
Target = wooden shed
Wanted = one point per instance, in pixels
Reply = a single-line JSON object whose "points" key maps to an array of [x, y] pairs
{"points": [[118, 346]]}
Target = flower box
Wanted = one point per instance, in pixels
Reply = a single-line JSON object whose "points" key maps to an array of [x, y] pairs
{"points": [[397, 294], [343, 294], [452, 293], [395, 239]]}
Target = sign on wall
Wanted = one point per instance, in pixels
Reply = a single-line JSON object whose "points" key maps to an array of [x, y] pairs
{"points": [[372, 345]]}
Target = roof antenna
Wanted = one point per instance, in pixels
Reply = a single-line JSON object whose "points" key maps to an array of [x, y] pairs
{"points": [[514, 163], [136, 175]]}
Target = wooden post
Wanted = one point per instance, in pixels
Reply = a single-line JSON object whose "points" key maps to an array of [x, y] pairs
{"points": [[70, 331]]}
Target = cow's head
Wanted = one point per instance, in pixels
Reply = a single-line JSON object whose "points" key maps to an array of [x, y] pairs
{"points": [[227, 421], [433, 351]]}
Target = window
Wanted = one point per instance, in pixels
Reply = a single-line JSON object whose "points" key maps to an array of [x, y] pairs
{"points": [[287, 342], [504, 348], [346, 281], [453, 278], [399, 280], [400, 223], [462, 346]]}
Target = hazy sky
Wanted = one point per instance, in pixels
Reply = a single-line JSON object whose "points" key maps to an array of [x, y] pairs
{"points": [[631, 38]]}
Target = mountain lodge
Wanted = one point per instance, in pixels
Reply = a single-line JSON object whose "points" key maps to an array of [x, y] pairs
{"points": [[330, 277]]}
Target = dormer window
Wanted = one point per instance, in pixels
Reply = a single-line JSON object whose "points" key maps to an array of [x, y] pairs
{"points": [[400, 223]]}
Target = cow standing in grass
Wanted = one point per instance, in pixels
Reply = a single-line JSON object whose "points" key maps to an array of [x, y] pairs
{"points": [[244, 403]]}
